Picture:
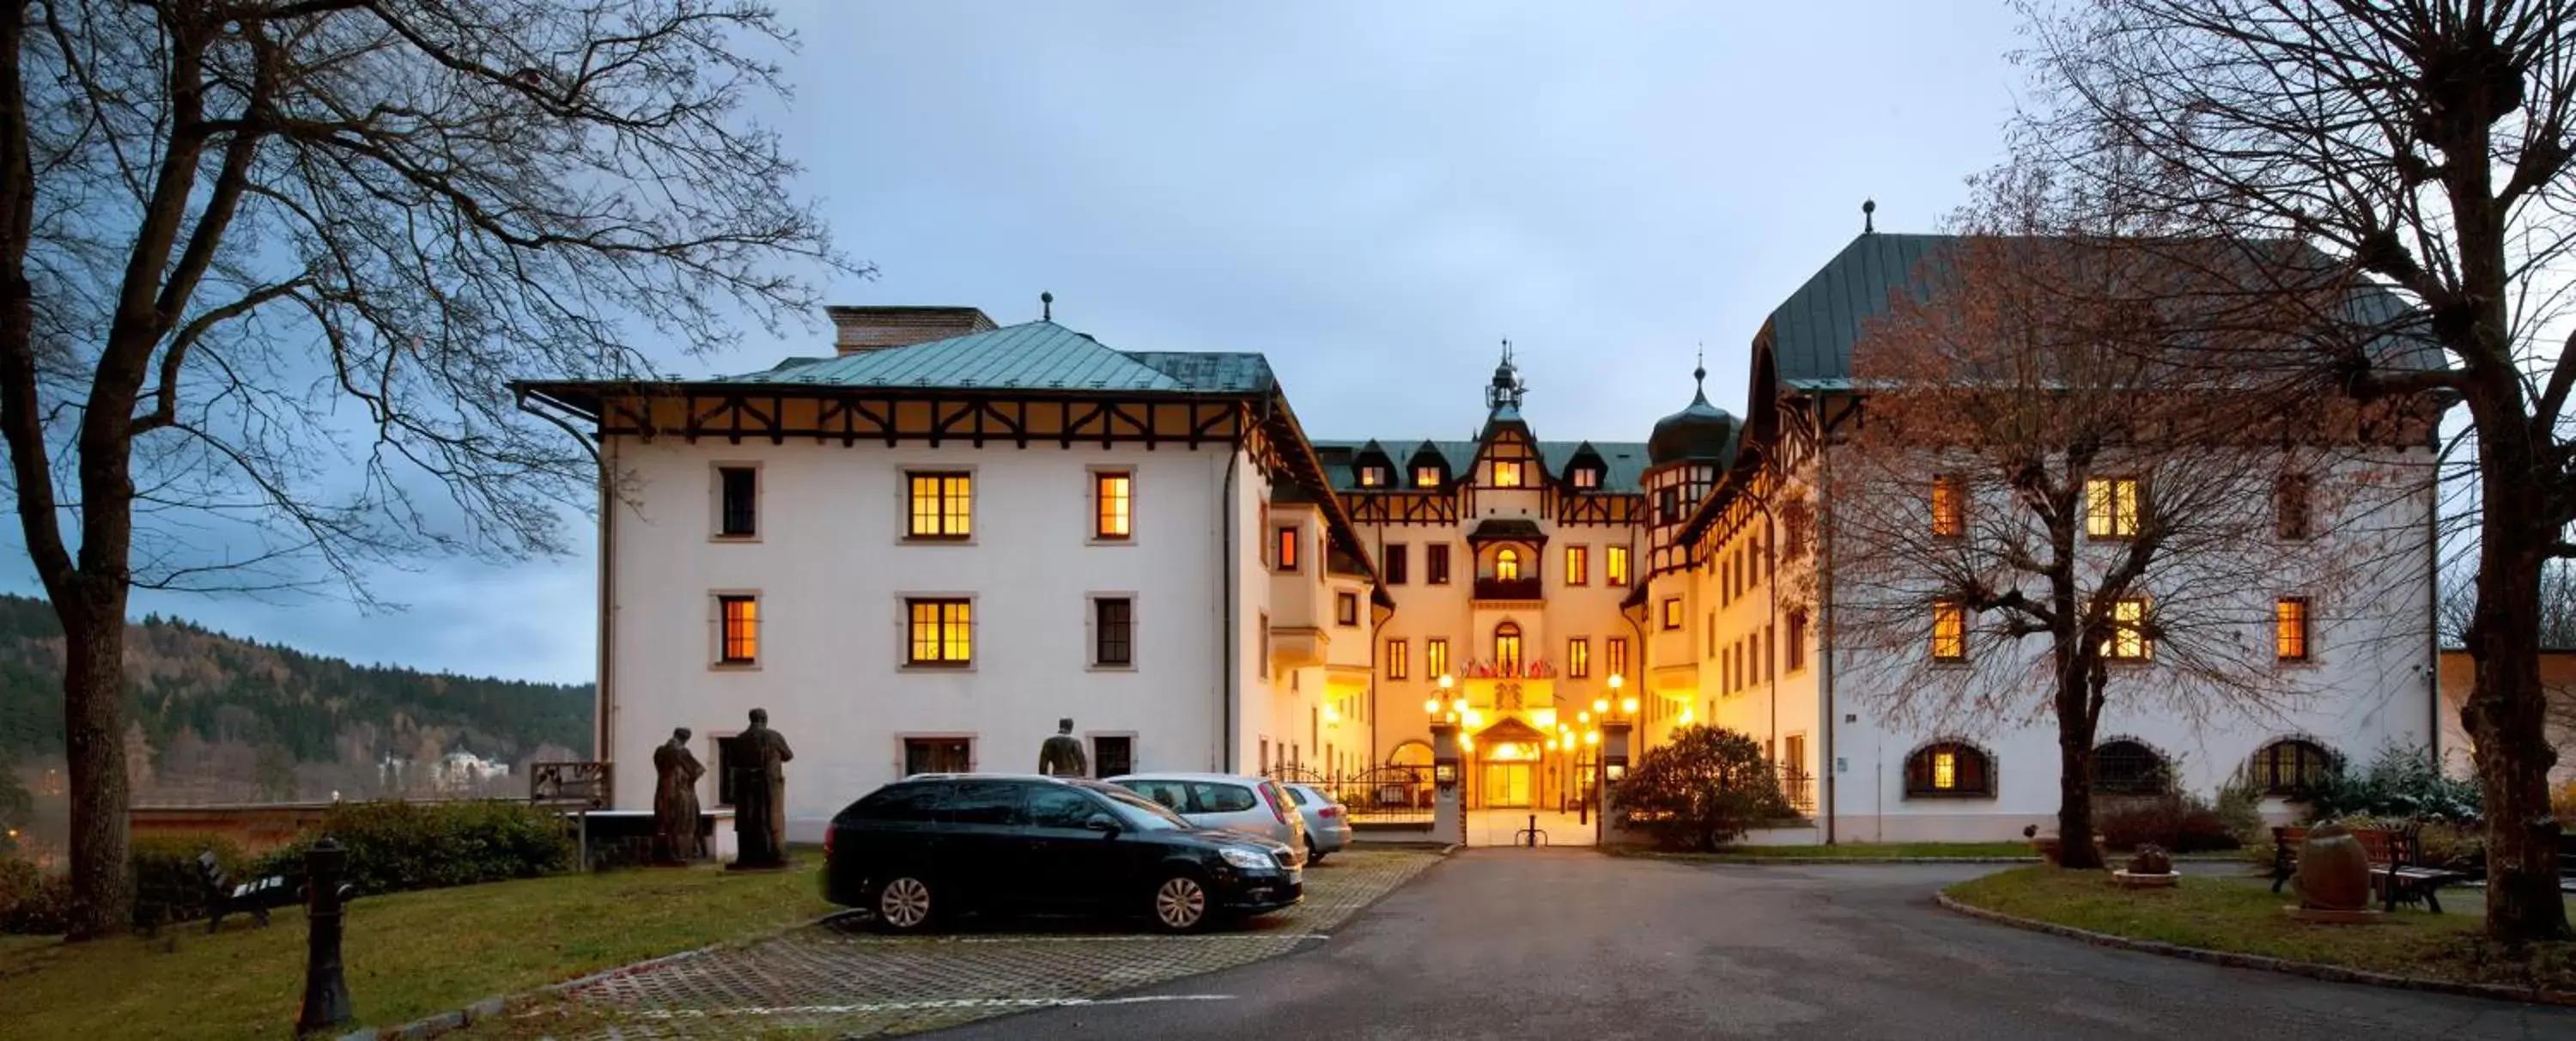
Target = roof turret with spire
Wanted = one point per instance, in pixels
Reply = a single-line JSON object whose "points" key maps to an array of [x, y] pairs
{"points": [[1701, 432]]}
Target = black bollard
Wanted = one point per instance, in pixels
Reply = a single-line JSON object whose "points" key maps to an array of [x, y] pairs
{"points": [[326, 988]]}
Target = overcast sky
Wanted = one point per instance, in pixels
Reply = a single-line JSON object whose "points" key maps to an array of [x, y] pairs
{"points": [[1373, 195]]}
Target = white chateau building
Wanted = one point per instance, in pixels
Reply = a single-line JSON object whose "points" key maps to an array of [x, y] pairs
{"points": [[922, 551]]}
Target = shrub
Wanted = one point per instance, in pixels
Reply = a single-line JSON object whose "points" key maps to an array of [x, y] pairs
{"points": [[1701, 790], [2179, 822], [399, 846], [32, 901], [2402, 783], [167, 884], [2240, 809]]}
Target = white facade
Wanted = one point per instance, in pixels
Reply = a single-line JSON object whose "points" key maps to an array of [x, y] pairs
{"points": [[1283, 590]]}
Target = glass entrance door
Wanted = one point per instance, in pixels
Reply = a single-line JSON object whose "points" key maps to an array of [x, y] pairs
{"points": [[1509, 785]]}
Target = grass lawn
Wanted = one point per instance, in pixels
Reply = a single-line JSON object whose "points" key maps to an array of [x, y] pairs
{"points": [[1845, 851], [408, 955], [2244, 916]]}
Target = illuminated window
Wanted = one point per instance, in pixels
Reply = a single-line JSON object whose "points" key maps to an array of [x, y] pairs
{"points": [[1399, 660], [1507, 647], [1435, 656], [740, 618], [1949, 769], [1285, 541], [2129, 641], [1578, 565], [1114, 495], [1426, 477], [1507, 474], [2290, 508], [1949, 508], [2290, 628], [1587, 477], [2111, 507], [940, 631], [1507, 564], [1618, 654], [1372, 476], [1949, 632], [1615, 566], [1578, 658], [943, 505], [1672, 612]]}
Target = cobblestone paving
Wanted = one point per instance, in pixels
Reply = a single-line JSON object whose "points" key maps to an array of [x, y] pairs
{"points": [[837, 979]]}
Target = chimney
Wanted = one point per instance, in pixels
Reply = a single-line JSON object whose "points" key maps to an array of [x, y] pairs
{"points": [[859, 329]]}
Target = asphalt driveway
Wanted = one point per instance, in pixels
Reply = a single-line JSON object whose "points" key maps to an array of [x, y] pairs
{"points": [[1567, 944]]}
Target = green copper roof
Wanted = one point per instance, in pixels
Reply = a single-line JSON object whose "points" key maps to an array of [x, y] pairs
{"points": [[1031, 356]]}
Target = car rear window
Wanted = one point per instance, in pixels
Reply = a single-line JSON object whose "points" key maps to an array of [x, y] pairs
{"points": [[1222, 798], [1298, 795], [898, 802]]}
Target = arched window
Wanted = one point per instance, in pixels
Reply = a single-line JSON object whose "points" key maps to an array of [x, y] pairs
{"points": [[1507, 564], [2125, 767], [1950, 770], [2292, 767], [1507, 646]]}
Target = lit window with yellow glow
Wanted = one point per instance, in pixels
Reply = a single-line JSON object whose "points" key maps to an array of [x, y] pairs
{"points": [[2111, 507], [943, 505], [1949, 508], [740, 617], [1114, 496], [1426, 477], [1507, 647], [1435, 656], [1578, 565], [1372, 477], [1507, 474], [1949, 632], [2129, 640], [1578, 658], [1507, 564], [941, 632], [1945, 771], [1615, 566], [2290, 628]]}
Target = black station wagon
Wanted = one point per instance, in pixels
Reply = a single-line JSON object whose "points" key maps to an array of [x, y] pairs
{"points": [[920, 849]]}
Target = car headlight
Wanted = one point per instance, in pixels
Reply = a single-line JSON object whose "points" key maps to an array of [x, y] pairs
{"points": [[1244, 858]]}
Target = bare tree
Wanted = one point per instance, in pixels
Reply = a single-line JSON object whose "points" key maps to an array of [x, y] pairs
{"points": [[2049, 508], [2426, 144], [270, 264]]}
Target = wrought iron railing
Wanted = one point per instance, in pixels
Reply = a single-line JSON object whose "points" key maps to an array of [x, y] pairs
{"points": [[1378, 795], [1799, 787], [1508, 589]]}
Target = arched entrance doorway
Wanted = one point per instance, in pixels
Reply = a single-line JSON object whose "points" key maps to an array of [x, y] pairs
{"points": [[1507, 765]]}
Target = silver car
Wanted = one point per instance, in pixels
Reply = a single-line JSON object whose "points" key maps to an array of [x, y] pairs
{"points": [[1328, 822], [1236, 802]]}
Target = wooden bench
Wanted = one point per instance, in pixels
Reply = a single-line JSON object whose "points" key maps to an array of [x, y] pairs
{"points": [[254, 898], [2397, 870]]}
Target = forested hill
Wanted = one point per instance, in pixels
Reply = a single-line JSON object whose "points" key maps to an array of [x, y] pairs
{"points": [[198, 691]]}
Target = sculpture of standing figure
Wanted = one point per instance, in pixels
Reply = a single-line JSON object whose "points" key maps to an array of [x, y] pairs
{"points": [[758, 762], [675, 801], [1062, 754]]}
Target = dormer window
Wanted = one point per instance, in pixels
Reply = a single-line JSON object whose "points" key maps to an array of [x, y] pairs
{"points": [[1426, 477], [1372, 476], [1587, 477]]}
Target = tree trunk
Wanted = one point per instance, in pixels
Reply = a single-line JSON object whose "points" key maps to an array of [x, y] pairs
{"points": [[2075, 796], [2506, 714], [93, 619]]}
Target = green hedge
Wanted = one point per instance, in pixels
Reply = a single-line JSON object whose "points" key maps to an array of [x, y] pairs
{"points": [[167, 885], [399, 846]]}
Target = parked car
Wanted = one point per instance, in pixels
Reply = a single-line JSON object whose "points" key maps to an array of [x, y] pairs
{"points": [[1328, 822], [1253, 805], [931, 845]]}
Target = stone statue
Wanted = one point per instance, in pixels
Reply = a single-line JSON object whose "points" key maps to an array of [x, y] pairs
{"points": [[1062, 754], [758, 762], [675, 801]]}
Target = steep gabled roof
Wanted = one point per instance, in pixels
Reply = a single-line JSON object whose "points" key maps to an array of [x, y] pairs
{"points": [[1029, 356]]}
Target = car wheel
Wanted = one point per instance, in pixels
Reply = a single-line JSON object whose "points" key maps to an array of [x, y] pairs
{"points": [[1313, 856], [1181, 904], [904, 904]]}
